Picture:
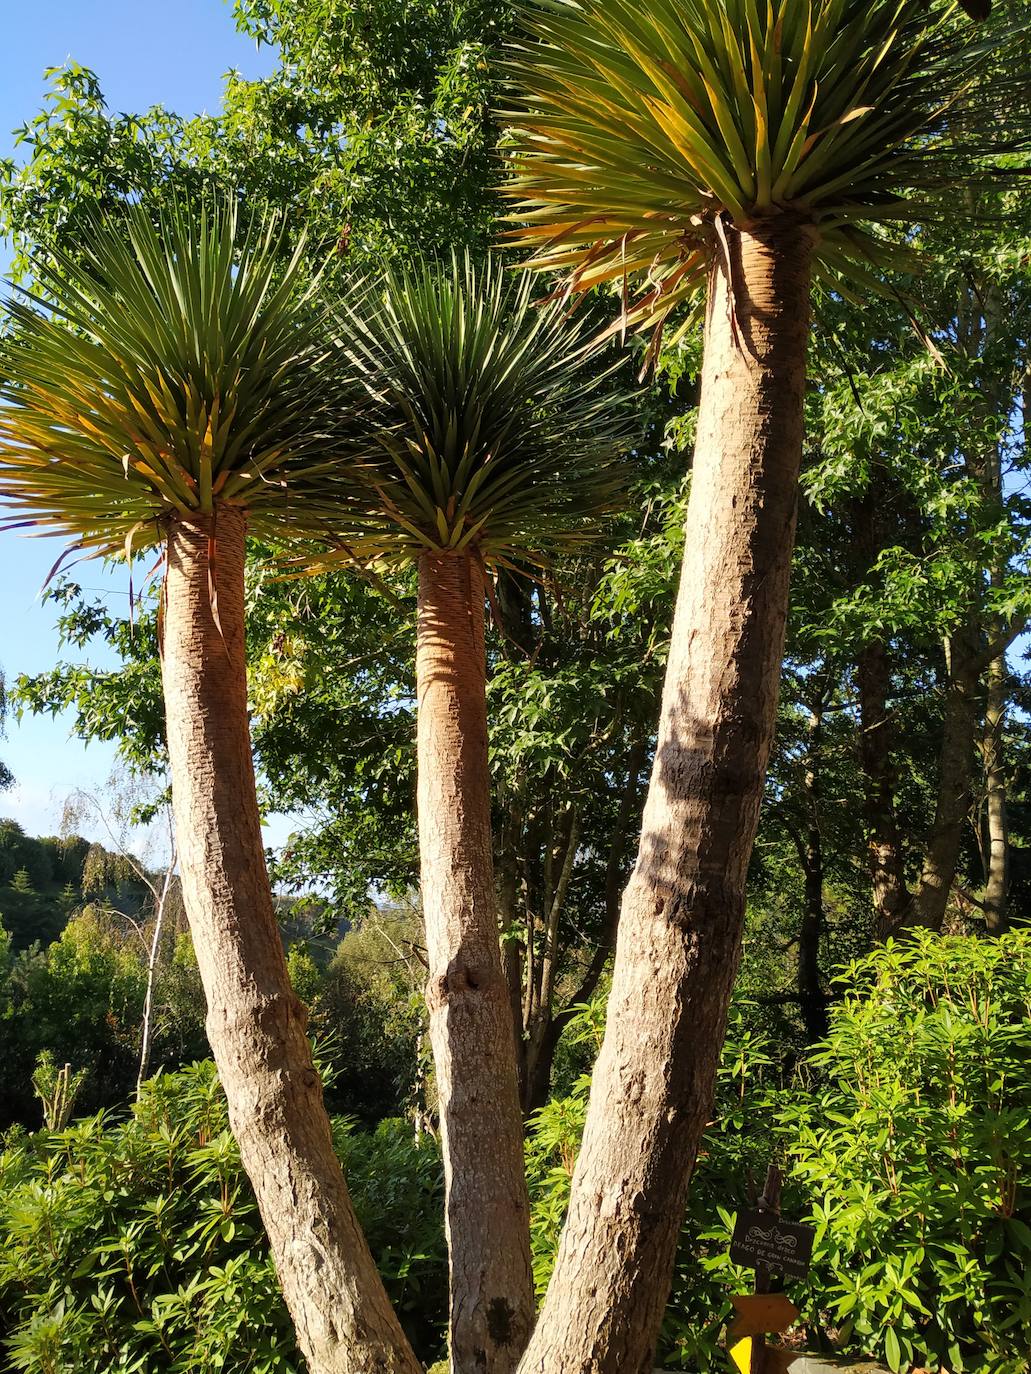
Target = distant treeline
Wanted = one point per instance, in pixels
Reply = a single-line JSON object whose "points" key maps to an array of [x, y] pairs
{"points": [[43, 880]]}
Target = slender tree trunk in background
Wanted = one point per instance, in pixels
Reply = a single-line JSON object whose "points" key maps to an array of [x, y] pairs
{"points": [[510, 831], [487, 1210], [538, 1087], [147, 1035], [541, 1042], [996, 886], [680, 929], [960, 728], [891, 896], [812, 1000], [255, 1023], [513, 601], [979, 314]]}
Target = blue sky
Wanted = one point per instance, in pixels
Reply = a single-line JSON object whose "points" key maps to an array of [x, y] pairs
{"points": [[145, 54]]}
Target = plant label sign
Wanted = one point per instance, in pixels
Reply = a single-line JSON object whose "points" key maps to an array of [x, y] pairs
{"points": [[762, 1241]]}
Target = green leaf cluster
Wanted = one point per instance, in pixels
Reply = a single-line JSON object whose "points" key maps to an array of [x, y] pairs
{"points": [[906, 1141], [132, 1246]]}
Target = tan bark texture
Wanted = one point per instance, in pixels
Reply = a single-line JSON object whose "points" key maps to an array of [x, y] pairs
{"points": [[680, 929], [474, 1050], [255, 1023]]}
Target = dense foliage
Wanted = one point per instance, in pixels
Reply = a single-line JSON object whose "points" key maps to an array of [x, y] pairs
{"points": [[133, 1244], [42, 881], [906, 1141]]}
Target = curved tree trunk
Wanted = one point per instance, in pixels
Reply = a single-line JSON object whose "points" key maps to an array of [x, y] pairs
{"points": [[470, 1014], [680, 929], [255, 1023]]}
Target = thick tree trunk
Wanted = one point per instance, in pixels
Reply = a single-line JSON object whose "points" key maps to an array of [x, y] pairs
{"points": [[891, 896], [996, 886], [470, 1013], [255, 1024], [680, 929]]}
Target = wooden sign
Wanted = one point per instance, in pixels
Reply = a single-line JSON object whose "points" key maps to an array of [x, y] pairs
{"points": [[762, 1241], [761, 1314]]}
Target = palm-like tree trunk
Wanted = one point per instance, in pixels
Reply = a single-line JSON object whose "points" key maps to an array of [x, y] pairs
{"points": [[468, 996], [255, 1023], [680, 929]]}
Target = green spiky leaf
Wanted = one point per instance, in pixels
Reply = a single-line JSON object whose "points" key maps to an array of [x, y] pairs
{"points": [[637, 125], [489, 422]]}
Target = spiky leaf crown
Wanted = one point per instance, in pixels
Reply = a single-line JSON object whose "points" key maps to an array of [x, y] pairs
{"points": [[488, 423], [172, 364], [637, 127]]}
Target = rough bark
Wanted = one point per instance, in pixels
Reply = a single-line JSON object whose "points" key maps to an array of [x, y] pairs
{"points": [[255, 1023], [681, 923], [487, 1210]]}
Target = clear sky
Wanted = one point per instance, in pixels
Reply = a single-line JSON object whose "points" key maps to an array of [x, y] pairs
{"points": [[145, 53]]}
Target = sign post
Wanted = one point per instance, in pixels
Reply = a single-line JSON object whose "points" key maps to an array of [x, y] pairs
{"points": [[770, 1246]]}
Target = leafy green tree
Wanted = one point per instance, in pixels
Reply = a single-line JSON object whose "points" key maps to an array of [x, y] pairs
{"points": [[157, 1248], [377, 129], [371, 1013], [900, 1136]]}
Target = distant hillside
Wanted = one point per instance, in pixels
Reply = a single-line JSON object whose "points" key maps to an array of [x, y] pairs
{"points": [[42, 881]]}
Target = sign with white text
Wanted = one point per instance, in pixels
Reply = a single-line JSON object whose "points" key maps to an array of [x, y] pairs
{"points": [[762, 1241]]}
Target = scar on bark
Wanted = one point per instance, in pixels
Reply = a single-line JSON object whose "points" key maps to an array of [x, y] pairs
{"points": [[499, 1321], [460, 977]]}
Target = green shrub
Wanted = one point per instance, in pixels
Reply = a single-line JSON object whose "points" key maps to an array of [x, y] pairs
{"points": [[135, 1246], [906, 1142], [915, 1150]]}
